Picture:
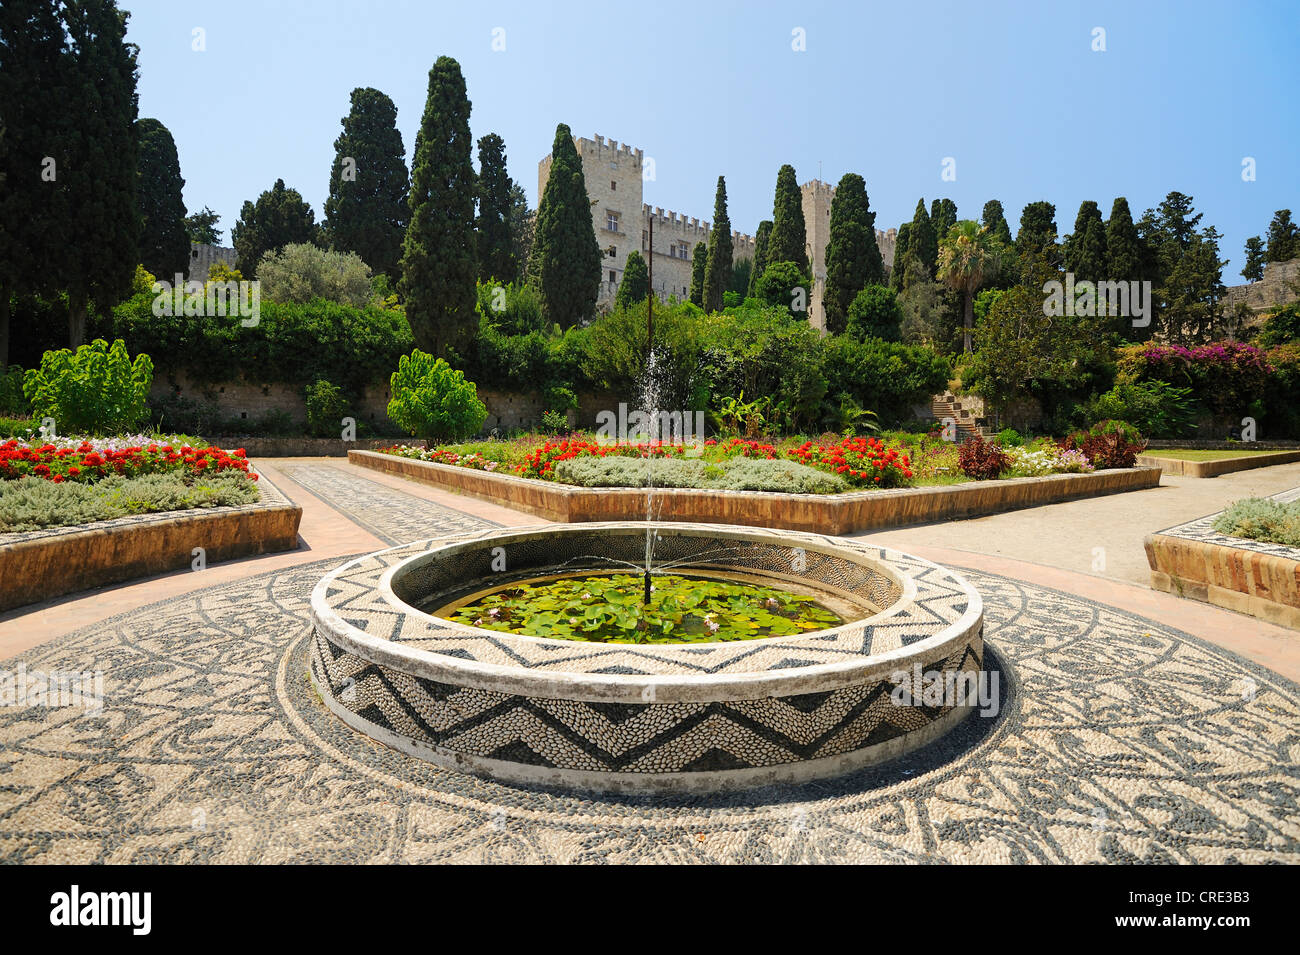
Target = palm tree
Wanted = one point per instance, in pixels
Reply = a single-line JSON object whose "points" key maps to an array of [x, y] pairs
{"points": [[969, 256]]}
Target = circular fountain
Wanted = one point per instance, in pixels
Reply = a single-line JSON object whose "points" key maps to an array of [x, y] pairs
{"points": [[702, 715]]}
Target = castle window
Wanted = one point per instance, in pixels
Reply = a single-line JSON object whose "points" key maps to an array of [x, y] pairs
{"points": [[611, 220], [612, 277], [645, 238], [613, 185]]}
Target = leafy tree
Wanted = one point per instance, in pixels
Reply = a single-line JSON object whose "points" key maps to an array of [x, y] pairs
{"points": [[1037, 235], [201, 227], [1186, 272], [1085, 248], [438, 268], [432, 400], [968, 258], [496, 246], [97, 173], [97, 389], [943, 216], [164, 243], [995, 221], [326, 408], [367, 208], [741, 270], [788, 241], [522, 222], [635, 286], [717, 267], [1283, 237], [785, 284], [1256, 256], [876, 313], [699, 268], [761, 239], [33, 124], [304, 273], [280, 217], [1124, 255], [565, 260], [852, 256]]}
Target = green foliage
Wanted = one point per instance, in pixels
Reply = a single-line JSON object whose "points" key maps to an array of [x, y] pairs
{"points": [[699, 268], [788, 241], [1153, 407], [785, 285], [32, 503], [736, 474], [995, 221], [761, 238], [717, 269], [496, 246], [1085, 248], [1037, 235], [367, 209], [164, 242], [302, 273], [201, 227], [438, 268], [943, 216], [1009, 438], [875, 313], [635, 286], [1283, 237], [280, 217], [741, 270], [553, 422], [326, 408], [432, 400], [1262, 519], [96, 390], [1253, 270], [615, 351], [1281, 326], [12, 399], [969, 258], [853, 259], [565, 262], [922, 246], [886, 376], [513, 309]]}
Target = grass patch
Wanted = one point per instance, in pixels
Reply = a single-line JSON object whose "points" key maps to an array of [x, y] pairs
{"points": [[31, 503], [1262, 519], [1201, 454]]}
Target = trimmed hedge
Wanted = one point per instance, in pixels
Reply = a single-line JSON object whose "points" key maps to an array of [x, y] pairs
{"points": [[739, 474]]}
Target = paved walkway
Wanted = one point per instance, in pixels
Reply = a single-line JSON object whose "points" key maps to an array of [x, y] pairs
{"points": [[1128, 734]]}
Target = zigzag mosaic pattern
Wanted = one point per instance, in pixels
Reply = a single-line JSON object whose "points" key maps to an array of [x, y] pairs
{"points": [[621, 737], [941, 600], [1202, 529]]}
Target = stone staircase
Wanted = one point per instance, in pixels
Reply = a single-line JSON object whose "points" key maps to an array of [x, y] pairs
{"points": [[967, 411]]}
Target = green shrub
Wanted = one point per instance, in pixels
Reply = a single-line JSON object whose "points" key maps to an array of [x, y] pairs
{"points": [[553, 422], [432, 400], [31, 503], [737, 474], [780, 285], [12, 399], [1154, 407], [96, 390], [1262, 519], [887, 377], [303, 273], [1009, 438], [875, 313], [326, 407]]}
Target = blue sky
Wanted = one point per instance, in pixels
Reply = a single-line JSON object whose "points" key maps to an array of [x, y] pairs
{"points": [[1013, 91]]}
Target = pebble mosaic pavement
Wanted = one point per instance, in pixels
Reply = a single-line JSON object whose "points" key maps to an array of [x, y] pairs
{"points": [[1119, 740]]}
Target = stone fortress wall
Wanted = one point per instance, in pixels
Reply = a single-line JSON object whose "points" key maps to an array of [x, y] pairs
{"points": [[614, 175]]}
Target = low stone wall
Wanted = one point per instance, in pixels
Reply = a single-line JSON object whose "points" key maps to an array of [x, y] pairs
{"points": [[1209, 469], [823, 514], [39, 565], [1252, 577]]}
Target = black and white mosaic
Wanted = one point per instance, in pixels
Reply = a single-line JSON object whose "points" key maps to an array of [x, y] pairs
{"points": [[1120, 740], [1202, 529]]}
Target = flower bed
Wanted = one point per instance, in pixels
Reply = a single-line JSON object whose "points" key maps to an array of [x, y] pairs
{"points": [[89, 460]]}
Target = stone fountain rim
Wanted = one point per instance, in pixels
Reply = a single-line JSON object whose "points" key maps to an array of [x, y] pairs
{"points": [[515, 679]]}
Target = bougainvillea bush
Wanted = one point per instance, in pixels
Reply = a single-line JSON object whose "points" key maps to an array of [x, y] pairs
{"points": [[1226, 377]]}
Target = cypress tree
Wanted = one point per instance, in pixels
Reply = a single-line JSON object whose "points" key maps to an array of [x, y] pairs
{"points": [[280, 217], [1037, 230], [164, 241], [943, 216], [496, 246], [1123, 246], [761, 239], [789, 239], [1085, 248], [923, 243], [438, 269], [1253, 270], [97, 175], [34, 66], [367, 208], [852, 256], [565, 261], [717, 268], [699, 268], [995, 220], [898, 271], [1283, 238], [635, 286]]}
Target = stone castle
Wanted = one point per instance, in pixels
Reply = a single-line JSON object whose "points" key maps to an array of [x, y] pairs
{"points": [[615, 175]]}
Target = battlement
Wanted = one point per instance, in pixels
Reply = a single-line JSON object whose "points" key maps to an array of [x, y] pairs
{"points": [[687, 225], [610, 149], [818, 188]]}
